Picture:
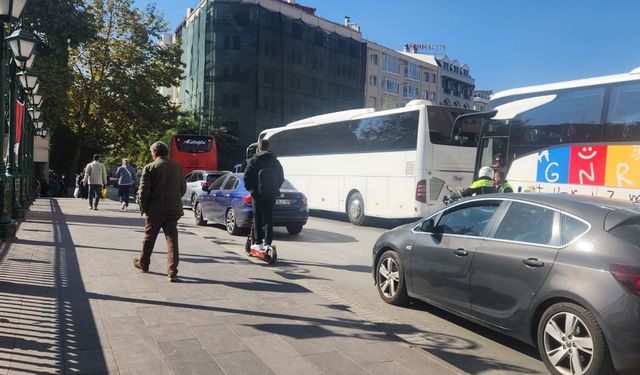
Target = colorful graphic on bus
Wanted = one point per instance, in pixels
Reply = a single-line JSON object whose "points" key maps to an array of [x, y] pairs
{"points": [[596, 165]]}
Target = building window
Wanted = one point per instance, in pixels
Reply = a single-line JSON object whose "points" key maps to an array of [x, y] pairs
{"points": [[390, 85], [425, 95], [374, 59], [409, 91], [390, 64], [411, 71], [426, 76], [372, 101], [433, 96], [373, 80], [433, 78]]}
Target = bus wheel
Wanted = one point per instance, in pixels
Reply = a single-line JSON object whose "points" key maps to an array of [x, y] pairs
{"points": [[355, 209]]}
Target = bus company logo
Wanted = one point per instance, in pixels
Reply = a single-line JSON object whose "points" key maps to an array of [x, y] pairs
{"points": [[458, 178], [196, 142]]}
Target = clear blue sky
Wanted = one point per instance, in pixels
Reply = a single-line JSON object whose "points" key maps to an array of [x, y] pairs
{"points": [[507, 43]]}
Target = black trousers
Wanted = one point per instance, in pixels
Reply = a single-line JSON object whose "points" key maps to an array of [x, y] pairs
{"points": [[263, 215]]}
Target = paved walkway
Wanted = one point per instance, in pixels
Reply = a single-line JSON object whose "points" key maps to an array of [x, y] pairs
{"points": [[71, 302]]}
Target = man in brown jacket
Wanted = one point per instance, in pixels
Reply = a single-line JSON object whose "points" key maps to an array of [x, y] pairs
{"points": [[162, 186]]}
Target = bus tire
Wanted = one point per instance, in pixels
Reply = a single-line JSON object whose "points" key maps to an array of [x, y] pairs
{"points": [[355, 209]]}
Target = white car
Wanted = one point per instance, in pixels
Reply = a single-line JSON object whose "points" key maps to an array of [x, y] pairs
{"points": [[195, 180]]}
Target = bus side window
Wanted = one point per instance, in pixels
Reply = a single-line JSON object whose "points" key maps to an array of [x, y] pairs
{"points": [[623, 119]]}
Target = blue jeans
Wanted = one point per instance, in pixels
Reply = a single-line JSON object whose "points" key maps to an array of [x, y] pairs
{"points": [[94, 195], [123, 193]]}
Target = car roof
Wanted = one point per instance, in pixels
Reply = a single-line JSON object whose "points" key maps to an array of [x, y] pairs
{"points": [[590, 208]]}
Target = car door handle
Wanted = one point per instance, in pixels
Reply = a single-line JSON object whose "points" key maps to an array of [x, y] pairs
{"points": [[227, 195], [533, 262], [460, 252]]}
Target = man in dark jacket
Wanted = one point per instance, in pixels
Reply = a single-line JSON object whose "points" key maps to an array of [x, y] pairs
{"points": [[263, 178], [162, 186]]}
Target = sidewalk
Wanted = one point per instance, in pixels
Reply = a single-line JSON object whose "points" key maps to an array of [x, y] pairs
{"points": [[71, 302]]}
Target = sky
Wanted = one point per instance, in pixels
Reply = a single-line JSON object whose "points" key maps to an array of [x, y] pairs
{"points": [[506, 43]]}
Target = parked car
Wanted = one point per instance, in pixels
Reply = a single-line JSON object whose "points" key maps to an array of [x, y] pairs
{"points": [[558, 271], [228, 202], [195, 181]]}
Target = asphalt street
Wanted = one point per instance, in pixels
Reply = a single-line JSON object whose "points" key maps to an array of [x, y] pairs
{"points": [[332, 257]]}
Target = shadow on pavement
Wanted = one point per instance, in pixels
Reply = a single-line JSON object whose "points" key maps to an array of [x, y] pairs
{"points": [[47, 324], [370, 222]]}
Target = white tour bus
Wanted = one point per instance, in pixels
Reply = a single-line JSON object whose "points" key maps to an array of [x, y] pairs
{"points": [[388, 164], [577, 137]]}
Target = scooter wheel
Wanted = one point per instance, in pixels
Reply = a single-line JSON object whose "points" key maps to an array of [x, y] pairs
{"points": [[273, 257]]}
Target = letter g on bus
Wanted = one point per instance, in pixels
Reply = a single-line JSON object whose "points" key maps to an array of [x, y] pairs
{"points": [[551, 176]]}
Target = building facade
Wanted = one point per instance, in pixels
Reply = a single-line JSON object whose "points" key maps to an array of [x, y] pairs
{"points": [[395, 78], [456, 84], [481, 99], [257, 64]]}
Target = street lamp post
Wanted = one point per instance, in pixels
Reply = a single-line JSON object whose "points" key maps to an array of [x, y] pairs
{"points": [[10, 11]]}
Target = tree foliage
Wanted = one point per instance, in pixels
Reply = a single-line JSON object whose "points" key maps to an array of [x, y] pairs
{"points": [[114, 98]]}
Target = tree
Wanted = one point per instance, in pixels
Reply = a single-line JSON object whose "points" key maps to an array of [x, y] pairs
{"points": [[114, 102]]}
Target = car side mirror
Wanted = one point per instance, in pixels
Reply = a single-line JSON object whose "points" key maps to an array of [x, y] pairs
{"points": [[438, 230]]}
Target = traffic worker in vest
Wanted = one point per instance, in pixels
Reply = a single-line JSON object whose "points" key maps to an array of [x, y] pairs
{"points": [[501, 183], [483, 185]]}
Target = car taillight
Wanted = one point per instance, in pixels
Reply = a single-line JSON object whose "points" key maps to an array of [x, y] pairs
{"points": [[628, 276], [247, 198], [421, 191], [205, 184], [303, 201]]}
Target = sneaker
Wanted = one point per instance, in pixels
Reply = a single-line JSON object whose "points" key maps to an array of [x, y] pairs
{"points": [[95, 208], [258, 247], [268, 248], [123, 208], [173, 279], [136, 264], [91, 207]]}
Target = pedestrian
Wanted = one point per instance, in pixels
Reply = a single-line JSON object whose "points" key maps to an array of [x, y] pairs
{"points": [[95, 177], [160, 192], [126, 176], [483, 185], [263, 177], [502, 184]]}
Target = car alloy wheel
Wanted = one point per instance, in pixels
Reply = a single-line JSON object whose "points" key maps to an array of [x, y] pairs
{"points": [[568, 344], [230, 222], [571, 342], [198, 214], [194, 199], [390, 279]]}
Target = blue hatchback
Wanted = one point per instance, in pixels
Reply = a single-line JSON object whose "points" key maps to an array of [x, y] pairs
{"points": [[228, 202]]}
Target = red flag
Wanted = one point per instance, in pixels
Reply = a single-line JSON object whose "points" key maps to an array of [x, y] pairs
{"points": [[19, 121]]}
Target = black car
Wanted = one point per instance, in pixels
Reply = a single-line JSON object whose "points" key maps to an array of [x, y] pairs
{"points": [[558, 271]]}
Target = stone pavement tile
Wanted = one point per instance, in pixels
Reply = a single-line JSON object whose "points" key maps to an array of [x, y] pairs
{"points": [[366, 352], [335, 363], [91, 361], [123, 327], [189, 357], [171, 332], [386, 368], [307, 339], [242, 363], [279, 355], [139, 356], [415, 361], [218, 339]]}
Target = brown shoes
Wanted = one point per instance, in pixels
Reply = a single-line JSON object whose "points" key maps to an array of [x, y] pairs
{"points": [[173, 279], [136, 264]]}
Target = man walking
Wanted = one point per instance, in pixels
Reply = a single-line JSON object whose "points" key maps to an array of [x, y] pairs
{"points": [[162, 186], [95, 176], [126, 178], [263, 178]]}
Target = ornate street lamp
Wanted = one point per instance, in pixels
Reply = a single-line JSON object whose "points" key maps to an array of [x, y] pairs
{"points": [[24, 65], [22, 45], [10, 10], [43, 133], [35, 114], [29, 80], [38, 124], [35, 89], [35, 100]]}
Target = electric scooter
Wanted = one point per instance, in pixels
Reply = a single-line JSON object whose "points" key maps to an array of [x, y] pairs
{"points": [[269, 256]]}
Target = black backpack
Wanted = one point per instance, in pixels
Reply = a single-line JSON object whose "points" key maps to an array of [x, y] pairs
{"points": [[268, 185]]}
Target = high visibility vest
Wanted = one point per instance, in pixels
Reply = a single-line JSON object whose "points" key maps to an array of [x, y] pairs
{"points": [[502, 187], [480, 183]]}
